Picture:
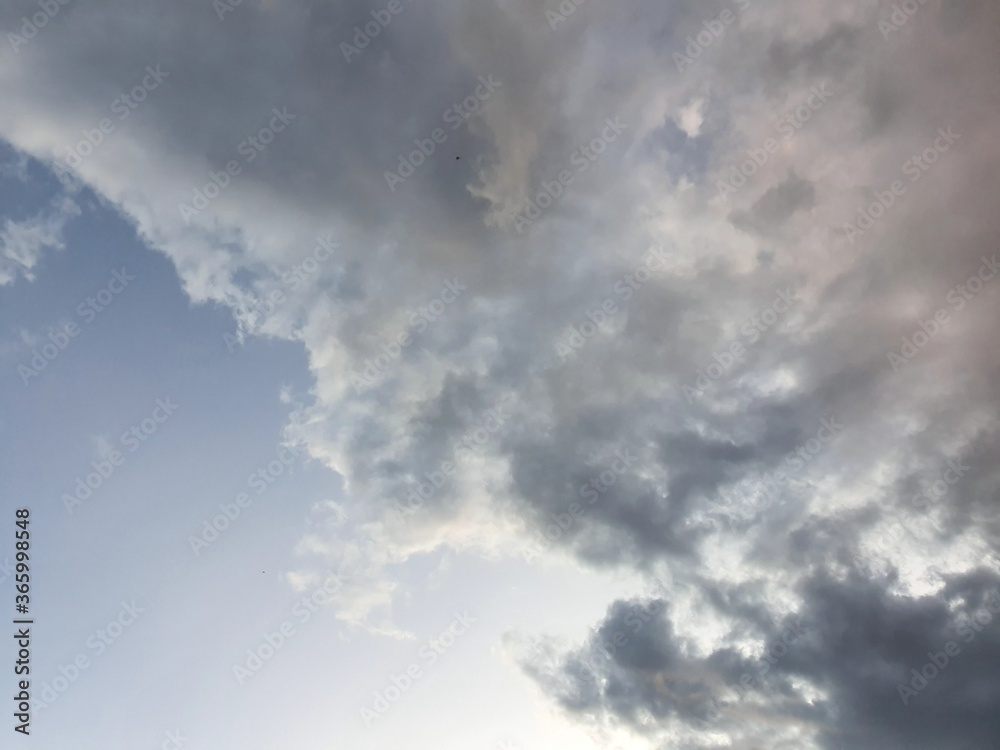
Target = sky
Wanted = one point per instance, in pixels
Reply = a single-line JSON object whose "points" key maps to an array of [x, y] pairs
{"points": [[501, 375]]}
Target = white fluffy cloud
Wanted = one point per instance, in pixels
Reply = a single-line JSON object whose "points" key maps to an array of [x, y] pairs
{"points": [[23, 242]]}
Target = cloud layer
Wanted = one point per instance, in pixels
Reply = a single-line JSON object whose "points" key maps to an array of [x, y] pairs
{"points": [[643, 230]]}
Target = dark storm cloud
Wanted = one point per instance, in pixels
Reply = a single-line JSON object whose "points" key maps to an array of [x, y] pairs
{"points": [[635, 665], [864, 649]]}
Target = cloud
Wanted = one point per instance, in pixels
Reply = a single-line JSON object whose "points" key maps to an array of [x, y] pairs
{"points": [[23, 242], [837, 672], [529, 293]]}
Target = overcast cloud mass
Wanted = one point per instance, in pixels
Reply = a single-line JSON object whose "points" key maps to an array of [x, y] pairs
{"points": [[652, 345]]}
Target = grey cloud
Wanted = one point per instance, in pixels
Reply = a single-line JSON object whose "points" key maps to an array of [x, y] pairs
{"points": [[852, 641], [623, 388], [777, 205]]}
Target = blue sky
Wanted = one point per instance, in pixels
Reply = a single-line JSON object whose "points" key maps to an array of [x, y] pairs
{"points": [[172, 669]]}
